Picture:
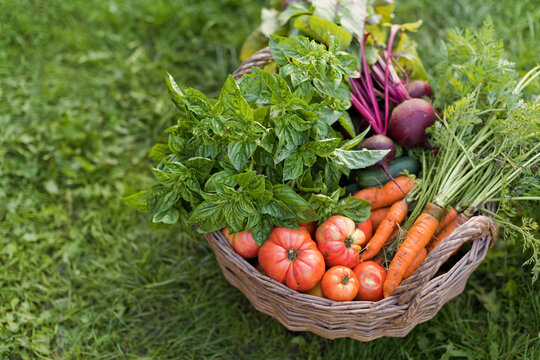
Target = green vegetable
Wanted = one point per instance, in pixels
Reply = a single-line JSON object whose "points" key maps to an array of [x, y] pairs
{"points": [[487, 140], [375, 177], [264, 153]]}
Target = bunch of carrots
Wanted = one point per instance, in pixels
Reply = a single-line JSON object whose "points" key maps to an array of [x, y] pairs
{"points": [[480, 153], [389, 207]]}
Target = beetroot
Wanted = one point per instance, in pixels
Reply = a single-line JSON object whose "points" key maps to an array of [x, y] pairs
{"points": [[409, 121], [381, 142], [419, 89]]}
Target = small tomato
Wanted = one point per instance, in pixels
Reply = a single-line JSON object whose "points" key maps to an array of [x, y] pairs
{"points": [[371, 277], [291, 257], [243, 243], [339, 283], [340, 241], [316, 291]]}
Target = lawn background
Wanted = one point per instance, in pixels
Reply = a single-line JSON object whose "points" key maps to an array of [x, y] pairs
{"points": [[82, 100]]}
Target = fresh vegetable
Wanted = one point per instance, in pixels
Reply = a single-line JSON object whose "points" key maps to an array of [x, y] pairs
{"points": [[291, 257], [376, 177], [377, 216], [367, 228], [243, 243], [409, 121], [417, 238], [339, 283], [371, 277], [447, 231], [315, 291], [487, 138], [448, 217], [393, 218], [309, 227], [388, 194], [419, 89], [416, 263], [340, 241], [264, 153], [381, 142], [364, 94]]}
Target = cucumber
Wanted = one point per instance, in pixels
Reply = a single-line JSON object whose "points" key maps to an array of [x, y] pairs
{"points": [[375, 177]]}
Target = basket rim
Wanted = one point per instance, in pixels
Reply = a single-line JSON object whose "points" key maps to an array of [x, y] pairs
{"points": [[324, 302]]}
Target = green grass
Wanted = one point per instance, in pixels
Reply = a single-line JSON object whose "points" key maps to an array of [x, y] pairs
{"points": [[82, 100]]}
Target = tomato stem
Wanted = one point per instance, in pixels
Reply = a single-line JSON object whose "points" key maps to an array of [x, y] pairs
{"points": [[345, 279], [349, 241], [292, 254]]}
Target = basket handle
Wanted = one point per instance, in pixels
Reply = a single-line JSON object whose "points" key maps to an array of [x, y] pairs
{"points": [[258, 59], [478, 228]]}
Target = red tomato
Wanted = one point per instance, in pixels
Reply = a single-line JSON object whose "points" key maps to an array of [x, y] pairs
{"points": [[243, 243], [340, 241], [367, 229], [339, 283], [316, 291], [291, 257], [371, 277], [310, 227]]}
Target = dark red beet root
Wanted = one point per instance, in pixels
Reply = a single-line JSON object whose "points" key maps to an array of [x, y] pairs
{"points": [[419, 89], [409, 121], [381, 142]]}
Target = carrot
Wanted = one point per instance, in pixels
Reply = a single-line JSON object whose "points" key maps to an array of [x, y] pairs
{"points": [[377, 216], [448, 217], [447, 231], [416, 263], [418, 237], [388, 194], [395, 215]]}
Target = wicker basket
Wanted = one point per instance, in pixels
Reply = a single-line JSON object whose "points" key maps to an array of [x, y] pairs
{"points": [[416, 300]]}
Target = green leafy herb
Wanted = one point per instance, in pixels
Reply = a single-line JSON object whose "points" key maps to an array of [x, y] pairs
{"points": [[251, 159]]}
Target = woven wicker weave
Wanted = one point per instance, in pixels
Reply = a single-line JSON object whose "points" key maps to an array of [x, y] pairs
{"points": [[416, 300]]}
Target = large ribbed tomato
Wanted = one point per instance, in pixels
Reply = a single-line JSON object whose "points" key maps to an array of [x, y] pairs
{"points": [[243, 243], [291, 257], [339, 283], [367, 228], [340, 241]]}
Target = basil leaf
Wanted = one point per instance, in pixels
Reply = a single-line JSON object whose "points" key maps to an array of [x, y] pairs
{"points": [[356, 209], [347, 124], [169, 216], [174, 92], [323, 148], [138, 201], [277, 209], [160, 198], [159, 151], [358, 159], [202, 166], [349, 144], [239, 152], [293, 167], [304, 211], [207, 212], [245, 178], [261, 231]]}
